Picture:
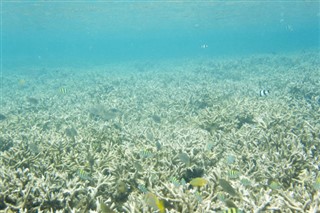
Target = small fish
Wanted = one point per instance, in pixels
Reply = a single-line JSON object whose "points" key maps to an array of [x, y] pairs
{"points": [[158, 145], [2, 117], [274, 185], [71, 132], [204, 46], [154, 202], [34, 148], [83, 175], [146, 154], [233, 174], [225, 185], [154, 177], [63, 90], [231, 159], [264, 92], [221, 196], [122, 187], [175, 181], [184, 158], [142, 188], [233, 210], [316, 184], [156, 118], [105, 208], [198, 196], [150, 136], [33, 101], [199, 182], [230, 204], [245, 182], [22, 82], [209, 146], [91, 160], [138, 166], [183, 182]]}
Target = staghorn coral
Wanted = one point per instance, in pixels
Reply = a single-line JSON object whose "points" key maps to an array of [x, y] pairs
{"points": [[66, 158]]}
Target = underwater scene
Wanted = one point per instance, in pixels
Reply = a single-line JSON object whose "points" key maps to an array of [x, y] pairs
{"points": [[160, 106]]}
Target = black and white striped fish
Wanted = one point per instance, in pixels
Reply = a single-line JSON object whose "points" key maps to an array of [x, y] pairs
{"points": [[264, 92]]}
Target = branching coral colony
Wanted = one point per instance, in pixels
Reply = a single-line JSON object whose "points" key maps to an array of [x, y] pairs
{"points": [[195, 139]]}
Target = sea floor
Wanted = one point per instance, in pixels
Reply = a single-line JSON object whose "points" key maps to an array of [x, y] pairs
{"points": [[133, 137]]}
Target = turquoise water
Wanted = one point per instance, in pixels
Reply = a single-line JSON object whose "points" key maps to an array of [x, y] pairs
{"points": [[98, 32], [160, 106]]}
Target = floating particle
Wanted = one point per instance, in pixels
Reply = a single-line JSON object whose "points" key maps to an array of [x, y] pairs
{"points": [[227, 187], [199, 182]]}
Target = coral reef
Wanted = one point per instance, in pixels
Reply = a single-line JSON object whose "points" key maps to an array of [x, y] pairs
{"points": [[174, 137]]}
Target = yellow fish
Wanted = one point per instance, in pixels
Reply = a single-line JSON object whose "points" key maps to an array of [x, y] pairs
{"points": [[160, 205], [154, 202], [198, 182]]}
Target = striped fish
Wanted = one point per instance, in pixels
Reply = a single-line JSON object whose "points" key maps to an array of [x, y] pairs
{"points": [[83, 175], [233, 174], [63, 90], [175, 181], [233, 210]]}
